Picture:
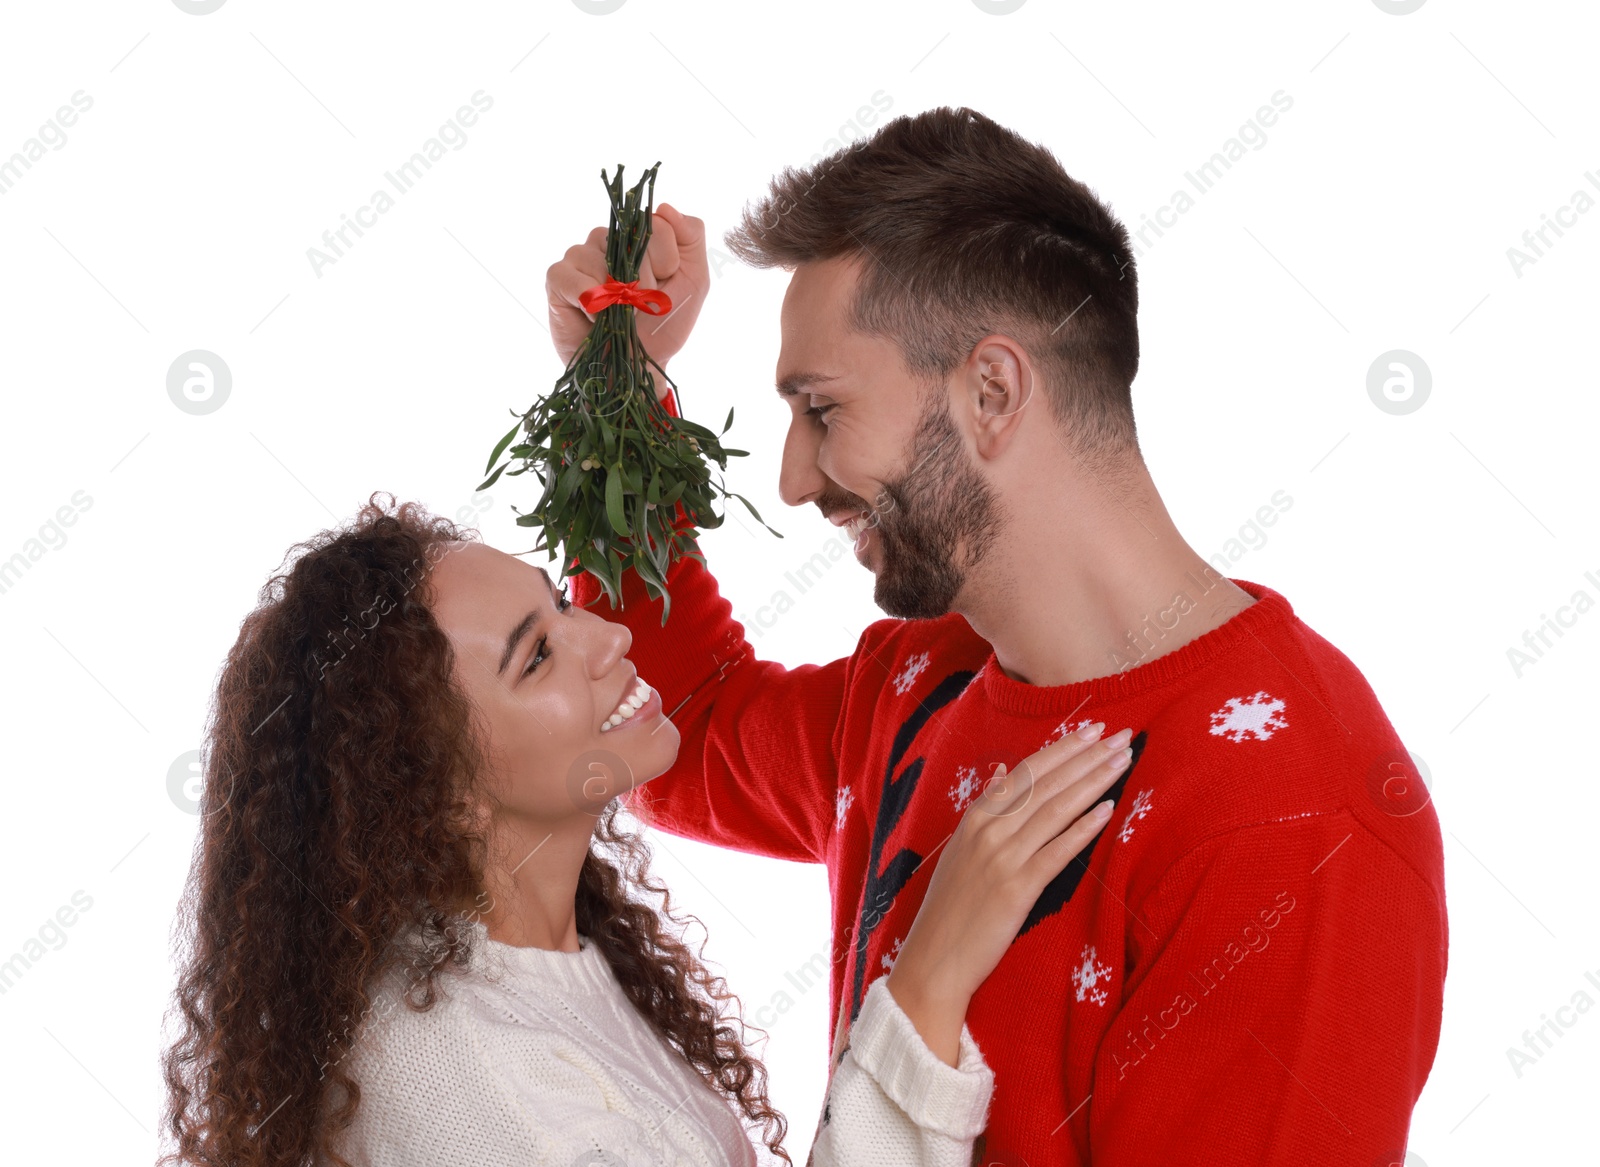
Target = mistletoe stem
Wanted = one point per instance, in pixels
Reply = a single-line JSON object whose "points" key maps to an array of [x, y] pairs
{"points": [[614, 465]]}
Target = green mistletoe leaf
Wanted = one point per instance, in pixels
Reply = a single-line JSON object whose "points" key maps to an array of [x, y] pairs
{"points": [[614, 500]]}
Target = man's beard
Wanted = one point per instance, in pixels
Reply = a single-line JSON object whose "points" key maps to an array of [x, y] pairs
{"points": [[938, 520]]}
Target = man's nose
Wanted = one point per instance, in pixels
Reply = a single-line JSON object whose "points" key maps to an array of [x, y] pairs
{"points": [[800, 479]]}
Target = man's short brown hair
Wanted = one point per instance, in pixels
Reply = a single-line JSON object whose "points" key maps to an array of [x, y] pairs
{"points": [[964, 228]]}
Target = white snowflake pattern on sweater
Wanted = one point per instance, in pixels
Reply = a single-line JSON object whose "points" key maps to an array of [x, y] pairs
{"points": [[914, 668], [967, 787], [841, 803], [1258, 716], [1086, 978], [888, 958], [1140, 808], [1064, 729]]}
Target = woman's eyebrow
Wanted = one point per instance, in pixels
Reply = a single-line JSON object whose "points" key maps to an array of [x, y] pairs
{"points": [[526, 625]]}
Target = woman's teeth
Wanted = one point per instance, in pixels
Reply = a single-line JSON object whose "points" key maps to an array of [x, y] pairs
{"points": [[630, 705]]}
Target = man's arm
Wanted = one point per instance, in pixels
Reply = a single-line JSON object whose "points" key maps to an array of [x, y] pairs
{"points": [[1285, 1001], [757, 769]]}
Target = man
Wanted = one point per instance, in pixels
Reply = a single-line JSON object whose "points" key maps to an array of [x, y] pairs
{"points": [[1247, 965]]}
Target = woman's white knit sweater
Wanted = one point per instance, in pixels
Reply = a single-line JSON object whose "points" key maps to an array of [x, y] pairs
{"points": [[536, 1058]]}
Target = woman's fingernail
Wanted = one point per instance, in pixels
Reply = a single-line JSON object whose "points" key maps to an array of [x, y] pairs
{"points": [[1120, 759], [1089, 732], [1102, 812], [1121, 738]]}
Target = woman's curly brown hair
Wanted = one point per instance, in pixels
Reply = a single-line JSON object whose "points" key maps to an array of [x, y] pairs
{"points": [[340, 760]]}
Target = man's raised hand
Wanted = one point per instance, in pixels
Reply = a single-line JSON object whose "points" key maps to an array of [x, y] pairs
{"points": [[675, 261]]}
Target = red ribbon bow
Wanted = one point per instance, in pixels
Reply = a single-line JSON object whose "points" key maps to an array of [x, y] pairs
{"points": [[613, 291]]}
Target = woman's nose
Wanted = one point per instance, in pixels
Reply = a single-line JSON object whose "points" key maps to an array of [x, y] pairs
{"points": [[609, 643]]}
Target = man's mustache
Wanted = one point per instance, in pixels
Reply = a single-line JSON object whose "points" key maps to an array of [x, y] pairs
{"points": [[833, 504]]}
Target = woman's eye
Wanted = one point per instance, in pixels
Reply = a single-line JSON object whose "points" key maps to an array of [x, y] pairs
{"points": [[540, 655], [541, 652]]}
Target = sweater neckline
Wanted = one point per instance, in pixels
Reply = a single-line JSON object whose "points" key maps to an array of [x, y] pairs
{"points": [[585, 971], [1243, 628]]}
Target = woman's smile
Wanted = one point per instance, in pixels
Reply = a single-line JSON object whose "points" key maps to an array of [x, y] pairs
{"points": [[641, 703]]}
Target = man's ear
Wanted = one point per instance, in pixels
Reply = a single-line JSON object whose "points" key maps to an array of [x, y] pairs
{"points": [[998, 386]]}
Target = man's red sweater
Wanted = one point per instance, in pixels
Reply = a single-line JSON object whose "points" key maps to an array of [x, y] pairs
{"points": [[1252, 971]]}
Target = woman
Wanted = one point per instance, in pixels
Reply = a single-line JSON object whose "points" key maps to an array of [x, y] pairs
{"points": [[417, 932]]}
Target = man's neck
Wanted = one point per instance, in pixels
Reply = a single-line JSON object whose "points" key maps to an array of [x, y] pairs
{"points": [[1083, 592]]}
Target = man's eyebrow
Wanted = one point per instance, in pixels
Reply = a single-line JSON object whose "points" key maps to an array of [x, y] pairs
{"points": [[526, 625], [796, 382]]}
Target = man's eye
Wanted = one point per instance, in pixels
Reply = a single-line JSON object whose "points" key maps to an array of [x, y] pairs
{"points": [[820, 412]]}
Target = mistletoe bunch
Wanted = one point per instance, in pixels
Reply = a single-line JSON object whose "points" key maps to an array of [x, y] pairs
{"points": [[613, 462]]}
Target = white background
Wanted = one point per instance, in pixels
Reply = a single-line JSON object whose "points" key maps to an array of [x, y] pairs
{"points": [[1377, 216]]}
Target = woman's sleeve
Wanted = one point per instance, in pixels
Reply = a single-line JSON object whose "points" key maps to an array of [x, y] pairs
{"points": [[893, 1101]]}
